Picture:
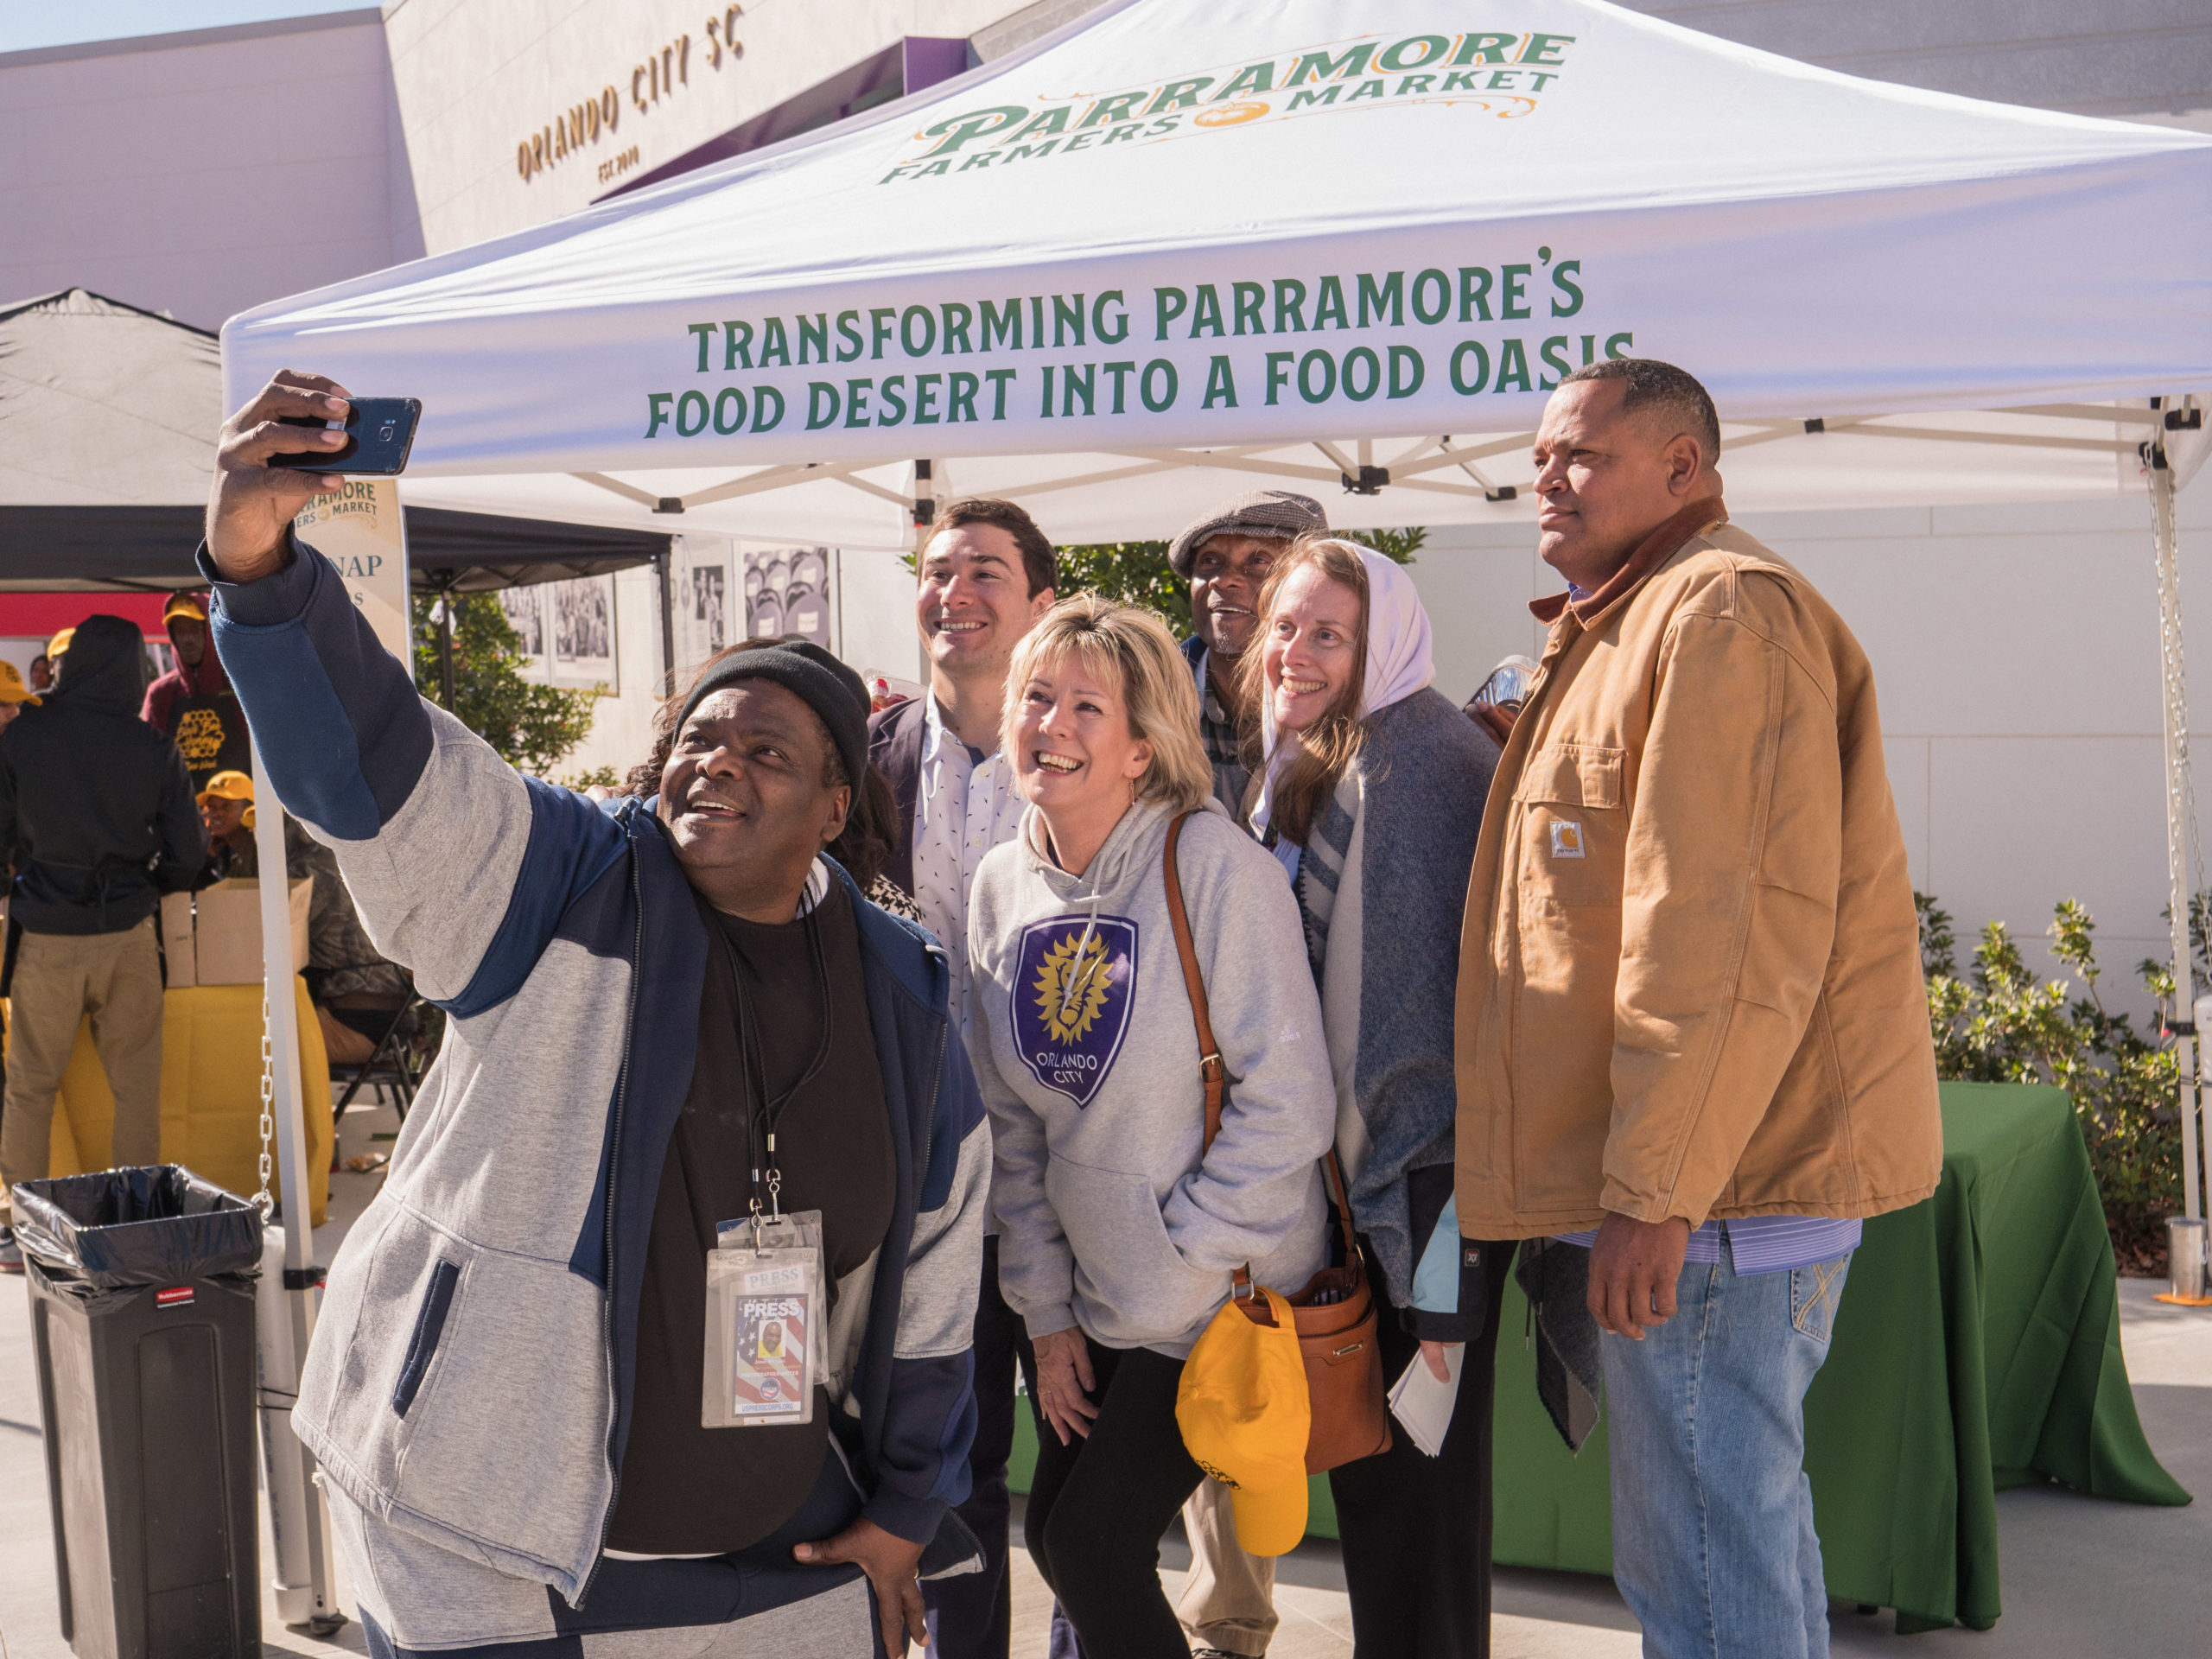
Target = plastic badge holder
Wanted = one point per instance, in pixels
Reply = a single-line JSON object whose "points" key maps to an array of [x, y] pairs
{"points": [[763, 1288]]}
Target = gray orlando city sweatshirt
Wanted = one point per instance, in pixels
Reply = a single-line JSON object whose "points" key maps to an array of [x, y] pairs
{"points": [[1087, 1058]]}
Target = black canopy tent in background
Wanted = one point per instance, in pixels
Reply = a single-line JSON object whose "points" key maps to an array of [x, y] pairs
{"points": [[108, 416]]}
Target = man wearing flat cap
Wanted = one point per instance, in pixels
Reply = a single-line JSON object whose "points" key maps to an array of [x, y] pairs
{"points": [[1225, 557], [660, 1014], [1228, 1602]]}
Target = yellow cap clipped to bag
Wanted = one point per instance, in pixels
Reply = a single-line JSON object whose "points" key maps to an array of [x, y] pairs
{"points": [[1245, 1417]]}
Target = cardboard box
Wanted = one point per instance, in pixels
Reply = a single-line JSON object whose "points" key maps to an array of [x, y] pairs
{"points": [[214, 936]]}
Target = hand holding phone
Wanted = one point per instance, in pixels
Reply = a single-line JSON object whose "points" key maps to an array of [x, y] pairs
{"points": [[251, 500], [379, 432]]}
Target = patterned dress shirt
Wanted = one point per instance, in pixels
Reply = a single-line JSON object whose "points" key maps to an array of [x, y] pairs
{"points": [[966, 805]]}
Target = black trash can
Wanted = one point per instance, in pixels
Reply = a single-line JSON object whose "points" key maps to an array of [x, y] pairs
{"points": [[141, 1284]]}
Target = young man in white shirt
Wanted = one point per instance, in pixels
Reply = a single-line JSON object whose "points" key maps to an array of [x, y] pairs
{"points": [[986, 575]]}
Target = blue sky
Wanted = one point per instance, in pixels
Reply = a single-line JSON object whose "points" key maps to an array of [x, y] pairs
{"points": [[27, 24]]}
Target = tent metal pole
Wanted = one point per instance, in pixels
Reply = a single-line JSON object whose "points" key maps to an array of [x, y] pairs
{"points": [[2174, 699], [923, 515], [445, 650], [662, 561], [318, 1608]]}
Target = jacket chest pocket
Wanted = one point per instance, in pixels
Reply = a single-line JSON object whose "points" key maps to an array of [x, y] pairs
{"points": [[1573, 828]]}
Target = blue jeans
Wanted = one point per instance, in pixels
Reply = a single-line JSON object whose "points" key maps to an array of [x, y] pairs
{"points": [[1714, 1546]]}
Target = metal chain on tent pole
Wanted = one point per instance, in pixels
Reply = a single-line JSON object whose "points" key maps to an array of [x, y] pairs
{"points": [[262, 1199], [2181, 813], [2166, 533], [2181, 805]]}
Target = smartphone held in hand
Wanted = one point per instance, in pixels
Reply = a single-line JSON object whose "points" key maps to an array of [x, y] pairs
{"points": [[379, 431]]}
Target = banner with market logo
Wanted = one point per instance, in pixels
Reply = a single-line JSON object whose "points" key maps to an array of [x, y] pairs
{"points": [[361, 530]]}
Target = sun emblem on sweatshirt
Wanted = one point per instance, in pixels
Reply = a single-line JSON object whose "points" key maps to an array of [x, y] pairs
{"points": [[1073, 985]]}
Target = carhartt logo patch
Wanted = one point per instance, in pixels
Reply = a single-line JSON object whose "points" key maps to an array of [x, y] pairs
{"points": [[1566, 838]]}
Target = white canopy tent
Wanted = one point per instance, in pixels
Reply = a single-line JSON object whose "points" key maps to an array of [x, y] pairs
{"points": [[1170, 241], [1171, 250]]}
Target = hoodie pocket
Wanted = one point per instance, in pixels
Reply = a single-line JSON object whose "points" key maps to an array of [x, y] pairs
{"points": [[1134, 1285], [429, 1326]]}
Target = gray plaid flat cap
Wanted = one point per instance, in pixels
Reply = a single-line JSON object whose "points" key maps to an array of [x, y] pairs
{"points": [[1259, 512]]}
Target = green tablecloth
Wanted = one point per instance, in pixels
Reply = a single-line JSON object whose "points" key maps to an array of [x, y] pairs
{"points": [[1977, 1348]]}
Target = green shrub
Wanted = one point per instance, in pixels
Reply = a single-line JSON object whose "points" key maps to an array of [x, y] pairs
{"points": [[532, 727], [2001, 1023]]}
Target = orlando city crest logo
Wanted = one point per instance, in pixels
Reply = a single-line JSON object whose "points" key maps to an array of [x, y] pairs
{"points": [[1071, 990]]}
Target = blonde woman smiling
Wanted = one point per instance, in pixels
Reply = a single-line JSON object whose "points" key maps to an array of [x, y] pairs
{"points": [[1117, 1238]]}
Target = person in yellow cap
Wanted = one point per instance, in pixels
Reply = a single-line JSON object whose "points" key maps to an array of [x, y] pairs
{"points": [[14, 694], [226, 808], [56, 648], [356, 992], [194, 702]]}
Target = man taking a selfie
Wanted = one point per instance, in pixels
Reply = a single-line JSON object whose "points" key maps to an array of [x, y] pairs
{"points": [[664, 1018]]}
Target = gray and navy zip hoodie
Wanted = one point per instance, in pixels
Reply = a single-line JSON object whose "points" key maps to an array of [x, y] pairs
{"points": [[470, 1379]]}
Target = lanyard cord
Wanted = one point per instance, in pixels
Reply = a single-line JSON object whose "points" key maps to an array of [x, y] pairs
{"points": [[762, 1113]]}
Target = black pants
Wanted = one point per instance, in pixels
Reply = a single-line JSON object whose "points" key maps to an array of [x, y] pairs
{"points": [[1098, 1506], [971, 1616], [1415, 1530]]}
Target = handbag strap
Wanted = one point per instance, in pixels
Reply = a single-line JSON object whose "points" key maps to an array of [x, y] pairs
{"points": [[1211, 1072]]}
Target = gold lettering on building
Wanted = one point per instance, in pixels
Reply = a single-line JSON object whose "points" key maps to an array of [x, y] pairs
{"points": [[664, 71]]}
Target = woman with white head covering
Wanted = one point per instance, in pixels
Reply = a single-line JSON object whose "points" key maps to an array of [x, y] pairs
{"points": [[1371, 794]]}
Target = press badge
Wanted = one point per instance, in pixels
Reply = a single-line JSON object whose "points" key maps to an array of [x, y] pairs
{"points": [[764, 1284]]}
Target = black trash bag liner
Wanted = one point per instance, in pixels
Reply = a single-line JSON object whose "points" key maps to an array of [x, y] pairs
{"points": [[103, 1238]]}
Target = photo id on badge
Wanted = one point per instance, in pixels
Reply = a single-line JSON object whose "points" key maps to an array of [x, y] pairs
{"points": [[764, 1283]]}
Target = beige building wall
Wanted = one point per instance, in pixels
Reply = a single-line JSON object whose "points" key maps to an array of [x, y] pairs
{"points": [[203, 173], [481, 86]]}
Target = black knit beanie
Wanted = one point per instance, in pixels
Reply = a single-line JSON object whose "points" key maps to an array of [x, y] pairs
{"points": [[810, 673]]}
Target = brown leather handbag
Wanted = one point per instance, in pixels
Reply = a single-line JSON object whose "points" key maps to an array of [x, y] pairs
{"points": [[1335, 1312]]}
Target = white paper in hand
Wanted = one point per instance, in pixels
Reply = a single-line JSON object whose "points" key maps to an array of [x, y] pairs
{"points": [[1422, 1405]]}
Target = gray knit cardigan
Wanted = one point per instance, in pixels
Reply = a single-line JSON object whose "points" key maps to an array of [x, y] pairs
{"points": [[1389, 863]]}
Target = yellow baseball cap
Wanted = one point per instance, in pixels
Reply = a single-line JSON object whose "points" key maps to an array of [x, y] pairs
{"points": [[60, 643], [228, 786], [185, 605], [1245, 1417], [12, 688]]}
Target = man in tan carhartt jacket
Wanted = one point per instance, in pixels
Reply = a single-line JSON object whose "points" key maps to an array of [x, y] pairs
{"points": [[1691, 1014]]}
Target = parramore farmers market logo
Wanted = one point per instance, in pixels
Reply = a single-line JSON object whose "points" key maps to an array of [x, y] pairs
{"points": [[1502, 73]]}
